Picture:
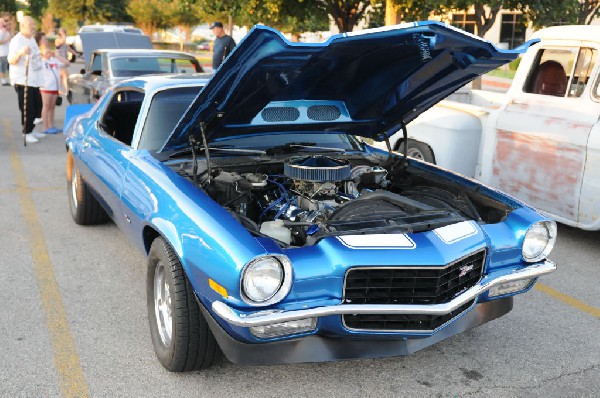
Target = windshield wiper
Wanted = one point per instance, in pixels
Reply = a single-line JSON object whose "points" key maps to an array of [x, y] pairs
{"points": [[216, 148], [291, 147]]}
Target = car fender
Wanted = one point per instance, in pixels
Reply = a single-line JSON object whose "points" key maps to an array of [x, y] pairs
{"points": [[453, 134], [209, 242]]}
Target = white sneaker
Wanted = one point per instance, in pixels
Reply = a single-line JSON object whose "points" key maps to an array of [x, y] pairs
{"points": [[30, 139], [38, 135], [37, 120]]}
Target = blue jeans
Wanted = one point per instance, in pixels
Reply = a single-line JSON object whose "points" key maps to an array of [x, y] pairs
{"points": [[3, 64]]}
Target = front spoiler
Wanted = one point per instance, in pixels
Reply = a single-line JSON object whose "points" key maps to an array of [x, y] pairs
{"points": [[237, 318], [316, 348]]}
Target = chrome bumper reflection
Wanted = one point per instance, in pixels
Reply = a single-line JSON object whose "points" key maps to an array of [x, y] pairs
{"points": [[269, 317]]}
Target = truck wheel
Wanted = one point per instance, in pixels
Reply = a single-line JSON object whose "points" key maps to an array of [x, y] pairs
{"points": [[84, 207], [180, 335], [418, 150]]}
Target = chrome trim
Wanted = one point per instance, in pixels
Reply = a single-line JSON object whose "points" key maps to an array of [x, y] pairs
{"points": [[237, 318], [440, 267], [410, 330]]}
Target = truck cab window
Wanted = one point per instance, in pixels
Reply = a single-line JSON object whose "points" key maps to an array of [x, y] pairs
{"points": [[583, 71], [561, 72], [549, 74]]}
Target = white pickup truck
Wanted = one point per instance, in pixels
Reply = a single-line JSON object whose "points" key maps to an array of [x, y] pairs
{"points": [[540, 141]]}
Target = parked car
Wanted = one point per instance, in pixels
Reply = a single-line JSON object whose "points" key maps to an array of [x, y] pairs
{"points": [[541, 141], [107, 65], [76, 43], [272, 232], [204, 46]]}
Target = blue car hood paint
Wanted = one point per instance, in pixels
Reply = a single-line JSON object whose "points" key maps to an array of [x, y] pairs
{"points": [[363, 83]]}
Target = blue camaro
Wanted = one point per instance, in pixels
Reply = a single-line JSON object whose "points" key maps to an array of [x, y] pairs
{"points": [[273, 232]]}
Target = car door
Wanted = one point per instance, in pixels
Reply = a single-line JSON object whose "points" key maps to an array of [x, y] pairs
{"points": [[83, 86], [589, 201], [542, 135], [106, 154]]}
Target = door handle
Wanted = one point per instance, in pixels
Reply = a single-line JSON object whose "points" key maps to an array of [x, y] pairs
{"points": [[518, 102]]}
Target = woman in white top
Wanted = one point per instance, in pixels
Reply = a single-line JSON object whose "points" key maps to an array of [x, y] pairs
{"points": [[51, 64]]}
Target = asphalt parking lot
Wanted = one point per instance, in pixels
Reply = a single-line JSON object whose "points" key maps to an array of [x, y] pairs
{"points": [[73, 320]]}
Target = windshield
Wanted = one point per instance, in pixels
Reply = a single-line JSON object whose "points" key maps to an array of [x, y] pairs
{"points": [[136, 66], [166, 109]]}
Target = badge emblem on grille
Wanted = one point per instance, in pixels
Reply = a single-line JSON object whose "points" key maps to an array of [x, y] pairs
{"points": [[464, 270]]}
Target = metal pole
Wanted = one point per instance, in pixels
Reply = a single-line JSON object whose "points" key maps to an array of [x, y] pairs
{"points": [[25, 100]]}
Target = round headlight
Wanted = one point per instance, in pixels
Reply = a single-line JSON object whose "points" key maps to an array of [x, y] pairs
{"points": [[539, 241], [266, 280]]}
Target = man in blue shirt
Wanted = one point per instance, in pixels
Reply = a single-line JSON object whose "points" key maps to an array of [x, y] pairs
{"points": [[223, 44]]}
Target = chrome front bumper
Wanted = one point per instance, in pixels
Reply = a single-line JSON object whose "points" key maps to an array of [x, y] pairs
{"points": [[269, 317]]}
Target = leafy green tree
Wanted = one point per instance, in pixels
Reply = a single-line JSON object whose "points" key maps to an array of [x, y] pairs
{"points": [[37, 8], [288, 16], [149, 15], [293, 15], [561, 12], [345, 13], [227, 11], [8, 6], [415, 10], [71, 9], [110, 11]]}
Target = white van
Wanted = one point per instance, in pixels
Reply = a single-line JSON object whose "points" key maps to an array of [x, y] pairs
{"points": [[75, 41]]}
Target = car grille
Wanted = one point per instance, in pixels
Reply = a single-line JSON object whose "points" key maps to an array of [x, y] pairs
{"points": [[404, 323], [409, 285]]}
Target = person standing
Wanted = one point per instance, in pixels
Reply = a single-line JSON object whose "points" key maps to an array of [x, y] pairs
{"points": [[51, 65], [5, 38], [223, 45], [24, 50], [63, 50]]}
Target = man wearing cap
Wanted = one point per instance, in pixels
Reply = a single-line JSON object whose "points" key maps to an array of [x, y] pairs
{"points": [[223, 44]]}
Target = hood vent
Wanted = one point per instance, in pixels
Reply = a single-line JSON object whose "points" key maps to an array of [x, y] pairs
{"points": [[323, 113], [280, 114]]}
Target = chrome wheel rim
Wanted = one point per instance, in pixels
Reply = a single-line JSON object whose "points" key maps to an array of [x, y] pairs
{"points": [[74, 187], [415, 153], [162, 305]]}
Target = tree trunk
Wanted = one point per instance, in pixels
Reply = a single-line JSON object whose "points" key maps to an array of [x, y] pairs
{"points": [[591, 12], [346, 13], [484, 22]]}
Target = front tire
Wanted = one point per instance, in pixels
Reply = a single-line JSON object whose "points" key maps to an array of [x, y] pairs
{"points": [[417, 150], [84, 207], [180, 335]]}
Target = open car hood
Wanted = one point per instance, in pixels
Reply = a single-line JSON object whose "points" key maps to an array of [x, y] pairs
{"points": [[365, 83], [91, 41]]}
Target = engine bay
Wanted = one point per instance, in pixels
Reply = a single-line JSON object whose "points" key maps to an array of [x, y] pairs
{"points": [[299, 199]]}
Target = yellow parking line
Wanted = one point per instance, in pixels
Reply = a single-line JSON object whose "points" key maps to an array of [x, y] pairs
{"points": [[41, 189], [573, 302], [66, 360]]}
